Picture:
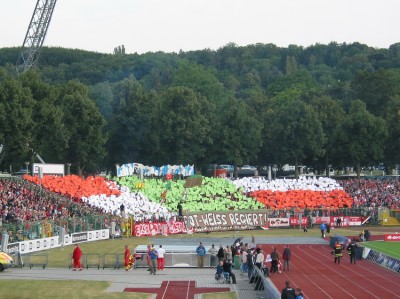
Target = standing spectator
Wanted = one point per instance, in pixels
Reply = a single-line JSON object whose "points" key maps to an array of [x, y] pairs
{"points": [[337, 252], [148, 256], [339, 222], [322, 228], [351, 249], [122, 210], [274, 261], [160, 258], [259, 258], [153, 261], [213, 256], [286, 258], [76, 256], [128, 259], [243, 258], [221, 254], [201, 252], [180, 212], [250, 264], [288, 292], [228, 254], [299, 294]]}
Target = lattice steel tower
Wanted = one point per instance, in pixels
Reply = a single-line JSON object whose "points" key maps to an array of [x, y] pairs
{"points": [[35, 35]]}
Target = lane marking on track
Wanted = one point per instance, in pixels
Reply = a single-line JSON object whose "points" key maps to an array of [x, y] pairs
{"points": [[352, 270], [165, 290], [316, 271], [305, 276], [188, 288], [386, 271]]}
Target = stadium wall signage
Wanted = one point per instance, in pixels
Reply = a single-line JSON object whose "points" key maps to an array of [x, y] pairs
{"points": [[382, 260], [30, 246], [346, 220], [392, 237], [224, 221]]}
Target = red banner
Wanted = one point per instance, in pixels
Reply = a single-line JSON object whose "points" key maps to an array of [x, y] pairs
{"points": [[294, 221], [392, 237], [159, 228]]}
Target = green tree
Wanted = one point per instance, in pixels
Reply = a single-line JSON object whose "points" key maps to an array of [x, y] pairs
{"points": [[49, 133], [294, 133], [16, 123], [331, 114], [85, 124], [238, 139], [133, 129], [361, 136], [376, 88], [392, 117], [184, 125]]}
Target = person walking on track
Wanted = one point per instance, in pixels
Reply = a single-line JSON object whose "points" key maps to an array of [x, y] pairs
{"points": [[286, 258]]}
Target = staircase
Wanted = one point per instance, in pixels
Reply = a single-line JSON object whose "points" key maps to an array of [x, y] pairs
{"points": [[390, 221]]}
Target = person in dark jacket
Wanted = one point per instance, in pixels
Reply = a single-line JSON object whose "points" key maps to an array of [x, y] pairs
{"points": [[228, 269], [286, 258], [351, 250], [275, 260], [250, 263], [288, 292], [221, 254]]}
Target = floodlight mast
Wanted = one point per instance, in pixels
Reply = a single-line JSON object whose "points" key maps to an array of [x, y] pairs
{"points": [[35, 35]]}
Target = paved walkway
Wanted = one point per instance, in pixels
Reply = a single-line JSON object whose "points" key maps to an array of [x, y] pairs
{"points": [[138, 278]]}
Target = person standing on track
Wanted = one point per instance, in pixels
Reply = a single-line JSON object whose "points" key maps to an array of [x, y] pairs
{"points": [[337, 252], [76, 256], [287, 253], [275, 260], [351, 249], [288, 292]]}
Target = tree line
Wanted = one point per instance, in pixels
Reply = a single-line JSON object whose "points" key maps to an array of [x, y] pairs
{"points": [[259, 104]]}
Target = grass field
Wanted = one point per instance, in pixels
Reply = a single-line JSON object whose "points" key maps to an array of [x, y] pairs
{"points": [[389, 248], [92, 290], [21, 289]]}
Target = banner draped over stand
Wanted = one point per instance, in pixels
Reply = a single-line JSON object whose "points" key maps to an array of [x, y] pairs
{"points": [[224, 221]]}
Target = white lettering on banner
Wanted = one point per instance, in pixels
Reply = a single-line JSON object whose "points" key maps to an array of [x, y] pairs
{"points": [[152, 229], [226, 220], [392, 237]]}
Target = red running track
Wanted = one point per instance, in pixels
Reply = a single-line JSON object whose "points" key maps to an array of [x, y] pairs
{"points": [[177, 290], [313, 270]]}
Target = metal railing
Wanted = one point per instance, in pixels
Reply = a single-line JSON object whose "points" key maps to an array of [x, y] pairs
{"points": [[269, 290]]}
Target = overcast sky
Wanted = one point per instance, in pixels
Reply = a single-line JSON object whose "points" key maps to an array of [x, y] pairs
{"points": [[174, 25]]}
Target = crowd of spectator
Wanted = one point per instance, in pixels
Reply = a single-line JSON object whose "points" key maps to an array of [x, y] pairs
{"points": [[22, 201], [374, 193]]}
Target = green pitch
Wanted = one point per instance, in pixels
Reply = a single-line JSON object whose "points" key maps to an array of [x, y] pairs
{"points": [[389, 248]]}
